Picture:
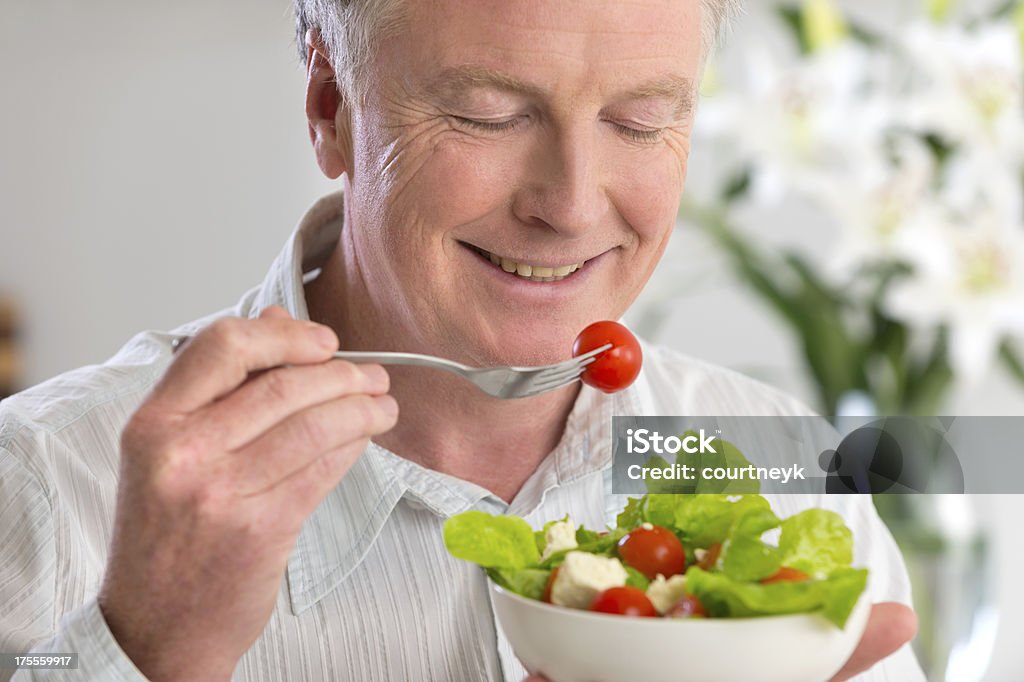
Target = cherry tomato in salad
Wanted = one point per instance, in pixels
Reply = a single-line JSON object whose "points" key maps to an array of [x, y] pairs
{"points": [[785, 574], [687, 607], [624, 601], [653, 550], [710, 558], [549, 583], [615, 368]]}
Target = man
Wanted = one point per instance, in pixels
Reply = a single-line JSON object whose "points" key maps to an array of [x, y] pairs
{"points": [[158, 501]]}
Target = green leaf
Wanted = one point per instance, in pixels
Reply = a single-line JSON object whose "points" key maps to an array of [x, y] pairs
{"points": [[823, 24], [791, 18], [927, 384], [744, 556], [599, 544], [816, 541], [1011, 359], [529, 582], [737, 187], [491, 541], [724, 597], [636, 578], [704, 520], [632, 516]]}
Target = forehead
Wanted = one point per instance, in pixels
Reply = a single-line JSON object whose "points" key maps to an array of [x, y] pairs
{"points": [[556, 46]]}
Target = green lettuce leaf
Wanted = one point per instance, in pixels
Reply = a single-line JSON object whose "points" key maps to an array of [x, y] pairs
{"points": [[816, 541], [636, 578], [724, 597], [744, 556], [703, 520], [529, 582], [594, 544], [491, 541]]}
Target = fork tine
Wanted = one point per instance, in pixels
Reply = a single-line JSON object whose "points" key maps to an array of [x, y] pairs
{"points": [[544, 388], [587, 357], [551, 381]]}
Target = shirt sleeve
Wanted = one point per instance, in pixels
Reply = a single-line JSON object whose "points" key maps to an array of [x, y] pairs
{"points": [[28, 574]]}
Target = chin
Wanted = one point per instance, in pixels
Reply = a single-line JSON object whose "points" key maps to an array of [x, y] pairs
{"points": [[528, 345]]}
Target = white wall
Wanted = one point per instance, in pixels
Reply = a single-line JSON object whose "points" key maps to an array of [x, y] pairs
{"points": [[154, 157]]}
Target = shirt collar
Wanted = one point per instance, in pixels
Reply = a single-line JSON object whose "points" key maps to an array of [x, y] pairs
{"points": [[337, 536]]}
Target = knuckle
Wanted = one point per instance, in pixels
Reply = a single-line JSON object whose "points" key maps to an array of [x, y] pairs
{"points": [[228, 333], [278, 385], [311, 431], [347, 374], [367, 414]]}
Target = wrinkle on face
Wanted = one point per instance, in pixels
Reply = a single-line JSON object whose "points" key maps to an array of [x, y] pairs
{"points": [[565, 178]]}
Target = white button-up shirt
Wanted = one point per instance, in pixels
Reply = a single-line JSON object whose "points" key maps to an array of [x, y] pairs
{"points": [[370, 592]]}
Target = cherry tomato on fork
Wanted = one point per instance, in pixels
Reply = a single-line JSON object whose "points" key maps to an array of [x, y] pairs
{"points": [[624, 601], [615, 368]]}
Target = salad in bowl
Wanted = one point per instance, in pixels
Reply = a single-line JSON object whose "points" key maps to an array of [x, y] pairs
{"points": [[702, 586]]}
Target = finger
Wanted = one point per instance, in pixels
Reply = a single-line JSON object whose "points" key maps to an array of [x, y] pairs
{"points": [[302, 491], [275, 311], [267, 399], [303, 437], [890, 626], [221, 356]]}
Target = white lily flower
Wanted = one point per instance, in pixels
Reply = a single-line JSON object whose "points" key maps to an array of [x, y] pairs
{"points": [[795, 123], [968, 275], [972, 95], [875, 201]]}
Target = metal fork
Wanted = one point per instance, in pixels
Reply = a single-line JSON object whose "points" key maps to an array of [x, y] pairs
{"points": [[500, 382]]}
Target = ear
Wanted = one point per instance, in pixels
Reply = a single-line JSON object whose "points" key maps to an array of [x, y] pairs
{"points": [[327, 110]]}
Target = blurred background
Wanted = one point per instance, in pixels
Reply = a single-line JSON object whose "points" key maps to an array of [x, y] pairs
{"points": [[852, 226]]}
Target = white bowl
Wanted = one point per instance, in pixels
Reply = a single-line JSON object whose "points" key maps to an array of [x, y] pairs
{"points": [[569, 645]]}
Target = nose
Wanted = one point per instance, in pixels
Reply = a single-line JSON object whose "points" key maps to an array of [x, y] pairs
{"points": [[564, 185]]}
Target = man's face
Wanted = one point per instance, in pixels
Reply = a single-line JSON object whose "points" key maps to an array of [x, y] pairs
{"points": [[539, 133]]}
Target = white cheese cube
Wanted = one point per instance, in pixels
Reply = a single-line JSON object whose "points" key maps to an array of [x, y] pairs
{"points": [[583, 576], [559, 536], [664, 594]]}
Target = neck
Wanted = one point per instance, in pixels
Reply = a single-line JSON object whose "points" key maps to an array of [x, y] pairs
{"points": [[445, 423]]}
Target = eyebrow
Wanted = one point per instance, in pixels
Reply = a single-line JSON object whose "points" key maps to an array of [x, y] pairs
{"points": [[457, 79]]}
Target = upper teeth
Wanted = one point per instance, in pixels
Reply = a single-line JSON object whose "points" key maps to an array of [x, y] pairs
{"points": [[537, 273]]}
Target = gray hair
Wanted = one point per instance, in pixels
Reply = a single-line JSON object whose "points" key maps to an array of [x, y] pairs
{"points": [[351, 29]]}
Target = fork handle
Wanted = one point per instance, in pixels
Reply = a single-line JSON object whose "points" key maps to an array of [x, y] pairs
{"points": [[380, 357], [393, 358]]}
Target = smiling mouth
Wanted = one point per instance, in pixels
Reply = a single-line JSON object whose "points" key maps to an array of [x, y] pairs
{"points": [[534, 273]]}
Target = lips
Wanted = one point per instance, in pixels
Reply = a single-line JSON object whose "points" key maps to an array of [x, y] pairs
{"points": [[526, 270]]}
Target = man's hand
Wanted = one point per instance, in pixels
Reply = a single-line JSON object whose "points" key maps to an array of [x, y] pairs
{"points": [[890, 626], [220, 467]]}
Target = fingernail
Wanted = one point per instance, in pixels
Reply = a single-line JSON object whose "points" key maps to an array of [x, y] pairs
{"points": [[325, 336], [376, 377], [387, 405]]}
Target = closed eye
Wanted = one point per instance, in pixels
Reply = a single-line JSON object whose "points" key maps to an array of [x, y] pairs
{"points": [[489, 126], [642, 135]]}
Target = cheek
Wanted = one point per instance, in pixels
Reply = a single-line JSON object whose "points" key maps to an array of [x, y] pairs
{"points": [[647, 195], [438, 180]]}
